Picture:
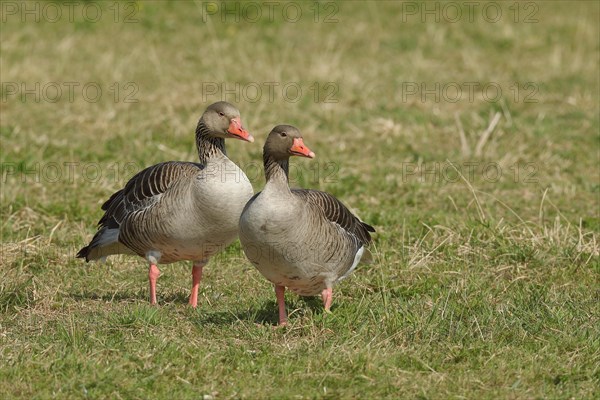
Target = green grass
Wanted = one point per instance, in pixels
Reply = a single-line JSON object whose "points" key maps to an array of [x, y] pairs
{"points": [[481, 288]]}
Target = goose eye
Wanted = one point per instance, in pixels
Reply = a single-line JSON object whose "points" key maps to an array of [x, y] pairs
{"points": [[221, 114], [283, 134]]}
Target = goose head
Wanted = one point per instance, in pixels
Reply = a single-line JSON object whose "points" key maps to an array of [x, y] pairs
{"points": [[285, 141], [223, 120]]}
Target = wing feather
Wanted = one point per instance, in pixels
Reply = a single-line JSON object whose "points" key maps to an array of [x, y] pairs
{"points": [[335, 211], [144, 190]]}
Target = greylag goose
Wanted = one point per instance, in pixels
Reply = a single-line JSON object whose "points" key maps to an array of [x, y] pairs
{"points": [[175, 211], [302, 239]]}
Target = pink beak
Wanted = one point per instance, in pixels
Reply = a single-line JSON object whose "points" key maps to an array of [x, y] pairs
{"points": [[237, 130], [299, 149]]}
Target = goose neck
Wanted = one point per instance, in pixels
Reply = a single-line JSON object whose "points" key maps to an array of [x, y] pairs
{"points": [[276, 171], [209, 146]]}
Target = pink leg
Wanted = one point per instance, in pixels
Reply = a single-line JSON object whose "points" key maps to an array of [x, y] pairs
{"points": [[153, 275], [196, 278], [327, 295], [279, 293]]}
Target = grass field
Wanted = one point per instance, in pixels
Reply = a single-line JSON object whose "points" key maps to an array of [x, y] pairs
{"points": [[470, 141]]}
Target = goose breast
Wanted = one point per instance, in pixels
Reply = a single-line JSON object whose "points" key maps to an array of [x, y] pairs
{"points": [[288, 242]]}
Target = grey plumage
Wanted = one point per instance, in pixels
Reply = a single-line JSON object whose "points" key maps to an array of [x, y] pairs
{"points": [[336, 212], [302, 239], [128, 209], [175, 210]]}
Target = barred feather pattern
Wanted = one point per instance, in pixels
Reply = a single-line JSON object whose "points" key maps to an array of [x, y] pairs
{"points": [[161, 207], [336, 212], [136, 207]]}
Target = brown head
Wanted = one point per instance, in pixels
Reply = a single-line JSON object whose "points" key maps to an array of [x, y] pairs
{"points": [[223, 120], [285, 141]]}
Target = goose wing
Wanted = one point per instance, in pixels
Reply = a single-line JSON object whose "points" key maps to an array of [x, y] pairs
{"points": [[144, 190], [336, 212]]}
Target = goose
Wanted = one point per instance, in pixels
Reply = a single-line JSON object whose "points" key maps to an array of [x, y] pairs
{"points": [[176, 211], [302, 239]]}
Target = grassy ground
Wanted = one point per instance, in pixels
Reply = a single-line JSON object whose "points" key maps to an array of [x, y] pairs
{"points": [[486, 274]]}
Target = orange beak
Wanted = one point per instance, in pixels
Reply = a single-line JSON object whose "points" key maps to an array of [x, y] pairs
{"points": [[299, 149], [237, 130]]}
